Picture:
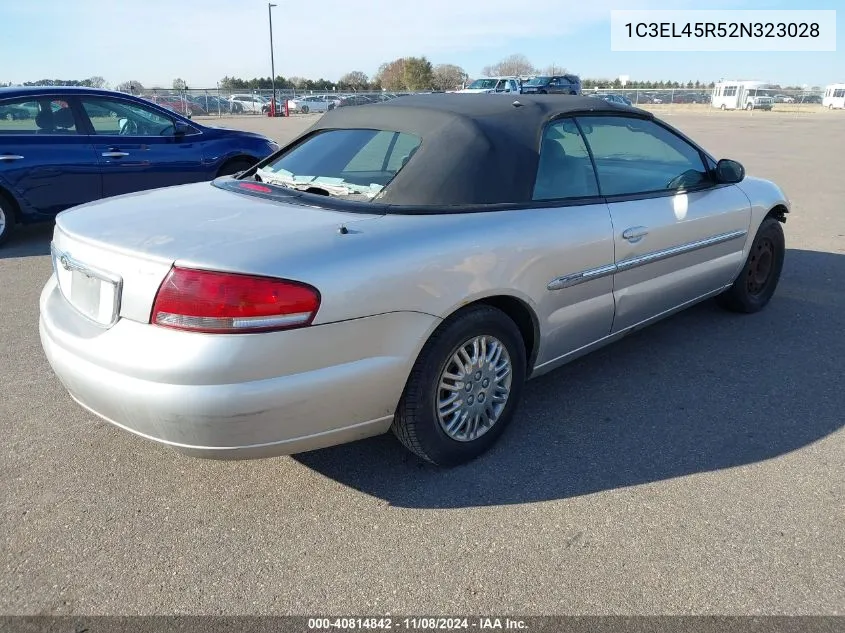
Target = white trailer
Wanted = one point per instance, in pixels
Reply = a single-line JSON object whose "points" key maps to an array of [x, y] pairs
{"points": [[834, 96], [742, 95]]}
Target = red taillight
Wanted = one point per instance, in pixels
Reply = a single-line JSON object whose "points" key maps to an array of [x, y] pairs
{"points": [[228, 303], [255, 187]]}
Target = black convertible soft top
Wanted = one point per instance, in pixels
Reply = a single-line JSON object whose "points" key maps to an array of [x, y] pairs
{"points": [[477, 149]]}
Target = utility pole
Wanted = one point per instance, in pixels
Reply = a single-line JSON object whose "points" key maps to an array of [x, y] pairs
{"points": [[270, 6]]}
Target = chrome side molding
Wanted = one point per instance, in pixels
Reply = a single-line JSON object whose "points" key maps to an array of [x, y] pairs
{"points": [[567, 281]]}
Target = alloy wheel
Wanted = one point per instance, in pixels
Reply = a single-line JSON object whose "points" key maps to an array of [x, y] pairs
{"points": [[474, 388]]}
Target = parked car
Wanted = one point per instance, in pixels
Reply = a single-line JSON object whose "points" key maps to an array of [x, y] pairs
{"points": [[613, 98], [268, 103], [354, 100], [213, 104], [252, 103], [179, 104], [492, 85], [759, 102], [552, 84], [14, 113], [311, 103], [403, 265], [85, 144]]}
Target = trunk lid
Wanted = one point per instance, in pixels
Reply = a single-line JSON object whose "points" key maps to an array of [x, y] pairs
{"points": [[110, 256]]}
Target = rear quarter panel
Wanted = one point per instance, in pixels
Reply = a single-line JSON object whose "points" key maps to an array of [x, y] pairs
{"points": [[437, 264]]}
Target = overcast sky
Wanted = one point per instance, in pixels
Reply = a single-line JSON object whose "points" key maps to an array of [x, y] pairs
{"points": [[155, 41]]}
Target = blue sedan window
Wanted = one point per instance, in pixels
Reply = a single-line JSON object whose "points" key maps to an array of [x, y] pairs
{"points": [[116, 117], [44, 116]]}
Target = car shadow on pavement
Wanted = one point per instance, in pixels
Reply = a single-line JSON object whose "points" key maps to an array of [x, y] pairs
{"points": [[28, 241], [701, 391]]}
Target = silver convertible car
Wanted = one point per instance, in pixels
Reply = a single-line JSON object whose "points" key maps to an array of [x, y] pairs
{"points": [[405, 265]]}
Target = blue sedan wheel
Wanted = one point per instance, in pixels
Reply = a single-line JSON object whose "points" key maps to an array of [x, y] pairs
{"points": [[7, 219]]}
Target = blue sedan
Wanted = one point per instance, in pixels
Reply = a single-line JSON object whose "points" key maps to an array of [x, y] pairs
{"points": [[64, 146]]}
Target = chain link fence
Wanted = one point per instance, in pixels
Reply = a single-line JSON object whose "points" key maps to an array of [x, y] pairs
{"points": [[218, 102]]}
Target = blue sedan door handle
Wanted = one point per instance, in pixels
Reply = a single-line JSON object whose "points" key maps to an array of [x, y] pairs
{"points": [[635, 234], [115, 154], [10, 157]]}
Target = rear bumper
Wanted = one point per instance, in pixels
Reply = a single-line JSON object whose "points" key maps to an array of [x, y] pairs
{"points": [[236, 396]]}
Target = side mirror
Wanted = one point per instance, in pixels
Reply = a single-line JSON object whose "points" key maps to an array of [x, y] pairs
{"points": [[729, 171]]}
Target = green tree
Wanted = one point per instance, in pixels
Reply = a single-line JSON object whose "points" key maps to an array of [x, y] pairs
{"points": [[418, 73]]}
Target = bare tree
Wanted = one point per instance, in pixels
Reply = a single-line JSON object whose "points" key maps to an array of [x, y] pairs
{"points": [[355, 80], [553, 69], [391, 75], [96, 82], [512, 65], [447, 77], [180, 84], [134, 86]]}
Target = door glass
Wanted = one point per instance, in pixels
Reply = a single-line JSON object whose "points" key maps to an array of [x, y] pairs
{"points": [[114, 117], [564, 169], [638, 156], [41, 116]]}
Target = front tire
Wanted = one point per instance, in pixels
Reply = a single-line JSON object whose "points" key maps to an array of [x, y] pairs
{"points": [[234, 166], [753, 288], [464, 388]]}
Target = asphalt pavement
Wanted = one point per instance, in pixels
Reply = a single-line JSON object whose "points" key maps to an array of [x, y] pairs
{"points": [[695, 467]]}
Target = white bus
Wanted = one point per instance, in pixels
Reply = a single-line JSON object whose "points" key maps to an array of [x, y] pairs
{"points": [[742, 95], [834, 96]]}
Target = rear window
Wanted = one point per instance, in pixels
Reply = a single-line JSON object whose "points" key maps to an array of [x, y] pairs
{"points": [[351, 163]]}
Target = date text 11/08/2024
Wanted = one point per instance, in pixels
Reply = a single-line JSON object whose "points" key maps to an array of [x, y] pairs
{"points": [[724, 29], [415, 624]]}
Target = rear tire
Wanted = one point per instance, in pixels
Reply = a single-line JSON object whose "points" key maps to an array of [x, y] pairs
{"points": [[456, 404], [7, 219], [753, 288], [305, 109], [234, 166]]}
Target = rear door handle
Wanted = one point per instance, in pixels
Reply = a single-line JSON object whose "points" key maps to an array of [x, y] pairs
{"points": [[10, 156], [635, 233], [115, 154]]}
